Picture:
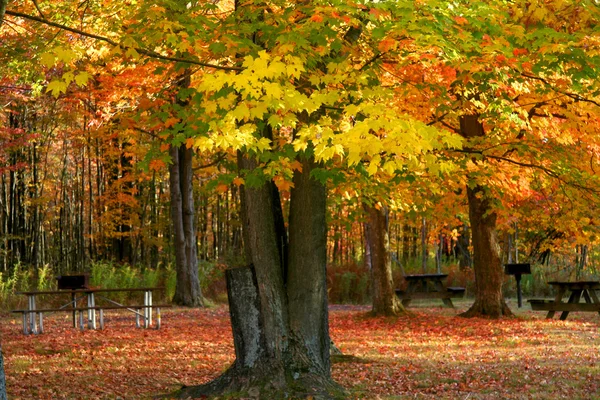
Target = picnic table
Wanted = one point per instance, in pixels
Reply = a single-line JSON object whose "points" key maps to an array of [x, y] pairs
{"points": [[576, 290], [33, 316], [428, 286]]}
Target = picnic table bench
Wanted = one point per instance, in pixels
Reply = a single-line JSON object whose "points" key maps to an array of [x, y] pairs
{"points": [[33, 317], [428, 286], [577, 289]]}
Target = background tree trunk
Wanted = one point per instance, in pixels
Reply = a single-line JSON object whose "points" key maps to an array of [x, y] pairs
{"points": [[385, 301], [487, 264], [187, 291]]}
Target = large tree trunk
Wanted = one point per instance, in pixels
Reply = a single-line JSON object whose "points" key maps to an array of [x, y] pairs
{"points": [[187, 290], [489, 300], [489, 275], [385, 301], [279, 319], [309, 323]]}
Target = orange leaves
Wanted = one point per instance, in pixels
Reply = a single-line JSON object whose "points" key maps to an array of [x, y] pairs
{"points": [[282, 183], [317, 18], [387, 44], [171, 121], [156, 165], [222, 188], [430, 354], [460, 20], [518, 52]]}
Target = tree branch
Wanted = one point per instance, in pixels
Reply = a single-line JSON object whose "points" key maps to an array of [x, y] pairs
{"points": [[574, 96], [37, 7], [551, 173], [146, 52], [220, 157]]}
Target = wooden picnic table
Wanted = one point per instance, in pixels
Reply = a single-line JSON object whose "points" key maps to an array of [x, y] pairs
{"points": [[428, 286], [576, 290], [33, 315]]}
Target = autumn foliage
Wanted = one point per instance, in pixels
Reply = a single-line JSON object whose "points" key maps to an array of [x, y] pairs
{"points": [[430, 354]]}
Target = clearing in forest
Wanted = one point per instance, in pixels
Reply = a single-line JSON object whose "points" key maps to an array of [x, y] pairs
{"points": [[430, 354]]}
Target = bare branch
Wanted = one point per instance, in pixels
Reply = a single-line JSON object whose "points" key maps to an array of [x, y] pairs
{"points": [[220, 157], [37, 7]]}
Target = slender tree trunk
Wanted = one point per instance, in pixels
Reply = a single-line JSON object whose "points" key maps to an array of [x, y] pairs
{"points": [[385, 301], [489, 275], [187, 290]]}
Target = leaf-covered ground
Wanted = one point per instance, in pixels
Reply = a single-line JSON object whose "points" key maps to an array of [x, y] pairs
{"points": [[429, 354]]}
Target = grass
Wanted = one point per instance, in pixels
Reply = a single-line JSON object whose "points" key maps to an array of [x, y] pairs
{"points": [[431, 354]]}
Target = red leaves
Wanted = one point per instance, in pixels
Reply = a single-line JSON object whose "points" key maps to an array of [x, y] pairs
{"points": [[431, 354]]}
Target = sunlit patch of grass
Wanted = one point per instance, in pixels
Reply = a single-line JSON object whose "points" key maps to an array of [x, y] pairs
{"points": [[20, 365]]}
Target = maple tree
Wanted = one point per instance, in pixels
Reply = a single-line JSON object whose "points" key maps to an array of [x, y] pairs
{"points": [[503, 79], [291, 97]]}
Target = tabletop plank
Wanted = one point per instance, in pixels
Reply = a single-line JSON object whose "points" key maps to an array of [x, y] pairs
{"points": [[425, 276], [94, 290]]}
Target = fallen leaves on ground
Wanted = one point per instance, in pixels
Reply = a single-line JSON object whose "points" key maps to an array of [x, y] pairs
{"points": [[430, 353]]}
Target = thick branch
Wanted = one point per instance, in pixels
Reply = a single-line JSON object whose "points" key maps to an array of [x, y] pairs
{"points": [[146, 52]]}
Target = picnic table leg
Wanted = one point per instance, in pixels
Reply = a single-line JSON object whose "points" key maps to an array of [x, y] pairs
{"points": [[439, 287], [573, 298], [101, 319], [557, 299], [158, 318], [147, 309], [41, 326], [91, 311], [411, 288], [32, 315], [594, 297], [150, 309], [25, 323], [586, 296], [81, 324], [74, 304]]}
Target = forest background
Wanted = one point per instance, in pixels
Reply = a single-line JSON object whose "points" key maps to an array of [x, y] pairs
{"points": [[163, 143], [88, 124]]}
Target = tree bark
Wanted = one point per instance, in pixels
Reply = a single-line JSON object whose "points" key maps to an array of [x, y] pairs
{"points": [[489, 300], [187, 290], [385, 301], [279, 319], [309, 322], [3, 4]]}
